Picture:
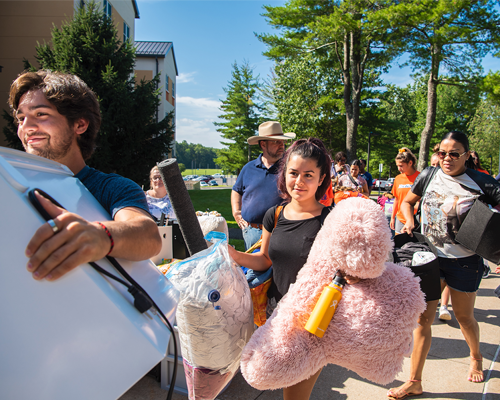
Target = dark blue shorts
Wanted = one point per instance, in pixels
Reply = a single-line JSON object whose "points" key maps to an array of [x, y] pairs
{"points": [[462, 274]]}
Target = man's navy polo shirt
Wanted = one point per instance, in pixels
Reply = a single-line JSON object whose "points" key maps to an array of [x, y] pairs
{"points": [[368, 177], [259, 190]]}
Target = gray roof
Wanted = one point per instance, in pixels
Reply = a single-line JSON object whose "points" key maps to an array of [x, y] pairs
{"points": [[155, 49]]}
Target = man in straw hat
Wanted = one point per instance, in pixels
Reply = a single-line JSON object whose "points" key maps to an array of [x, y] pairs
{"points": [[256, 188]]}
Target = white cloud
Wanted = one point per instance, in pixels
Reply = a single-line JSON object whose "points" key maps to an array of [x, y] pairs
{"points": [[185, 77], [199, 102], [198, 131], [195, 119]]}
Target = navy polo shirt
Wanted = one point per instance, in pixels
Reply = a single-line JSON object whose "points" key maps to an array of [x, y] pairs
{"points": [[259, 190], [369, 179]]}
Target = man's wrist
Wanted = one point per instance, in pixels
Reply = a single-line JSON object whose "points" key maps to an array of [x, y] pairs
{"points": [[108, 233]]}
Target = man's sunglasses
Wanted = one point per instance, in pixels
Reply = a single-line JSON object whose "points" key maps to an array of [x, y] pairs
{"points": [[453, 154]]}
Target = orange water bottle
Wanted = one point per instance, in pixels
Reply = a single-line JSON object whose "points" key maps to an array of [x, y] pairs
{"points": [[324, 309]]}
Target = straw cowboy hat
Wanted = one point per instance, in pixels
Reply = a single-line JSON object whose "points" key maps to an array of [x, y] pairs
{"points": [[270, 130]]}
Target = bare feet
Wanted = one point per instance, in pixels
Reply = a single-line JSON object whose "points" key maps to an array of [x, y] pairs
{"points": [[412, 387], [476, 370]]}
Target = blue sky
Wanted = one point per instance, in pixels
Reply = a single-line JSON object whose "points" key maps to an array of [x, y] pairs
{"points": [[208, 37]]}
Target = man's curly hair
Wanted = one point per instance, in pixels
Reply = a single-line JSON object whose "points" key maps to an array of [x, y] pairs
{"points": [[69, 94]]}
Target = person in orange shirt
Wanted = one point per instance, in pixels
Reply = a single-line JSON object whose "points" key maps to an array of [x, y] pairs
{"points": [[405, 161]]}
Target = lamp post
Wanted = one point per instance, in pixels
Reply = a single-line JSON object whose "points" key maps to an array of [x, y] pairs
{"points": [[370, 134]]}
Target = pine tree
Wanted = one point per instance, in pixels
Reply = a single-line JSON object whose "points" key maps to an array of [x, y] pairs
{"points": [[241, 112], [130, 141]]}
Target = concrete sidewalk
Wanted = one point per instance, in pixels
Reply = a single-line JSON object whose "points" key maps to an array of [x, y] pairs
{"points": [[445, 372]]}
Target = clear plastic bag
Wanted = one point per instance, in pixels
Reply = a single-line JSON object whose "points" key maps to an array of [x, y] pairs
{"points": [[214, 317]]}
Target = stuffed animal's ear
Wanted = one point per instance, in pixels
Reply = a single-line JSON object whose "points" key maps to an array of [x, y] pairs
{"points": [[355, 238]]}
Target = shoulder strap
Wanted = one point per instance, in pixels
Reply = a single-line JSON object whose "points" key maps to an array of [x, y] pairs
{"points": [[428, 179], [277, 214], [353, 181]]}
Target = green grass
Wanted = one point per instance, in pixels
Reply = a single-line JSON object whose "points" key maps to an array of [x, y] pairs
{"points": [[201, 171], [217, 200]]}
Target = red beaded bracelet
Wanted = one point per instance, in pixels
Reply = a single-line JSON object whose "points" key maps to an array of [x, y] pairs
{"points": [[110, 237]]}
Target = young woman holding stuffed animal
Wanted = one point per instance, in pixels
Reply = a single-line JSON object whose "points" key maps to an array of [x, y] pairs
{"points": [[405, 161], [447, 193], [303, 179]]}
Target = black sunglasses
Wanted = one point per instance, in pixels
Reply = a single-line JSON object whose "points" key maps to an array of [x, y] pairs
{"points": [[453, 154]]}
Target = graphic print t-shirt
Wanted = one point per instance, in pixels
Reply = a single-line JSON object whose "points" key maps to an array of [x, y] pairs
{"points": [[445, 205]]}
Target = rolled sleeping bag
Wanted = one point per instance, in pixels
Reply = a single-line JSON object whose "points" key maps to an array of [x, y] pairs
{"points": [[182, 205]]}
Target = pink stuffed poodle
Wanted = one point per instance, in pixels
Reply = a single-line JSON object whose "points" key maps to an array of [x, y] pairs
{"points": [[371, 331]]}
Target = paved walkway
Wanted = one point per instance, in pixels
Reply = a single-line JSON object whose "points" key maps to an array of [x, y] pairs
{"points": [[445, 373]]}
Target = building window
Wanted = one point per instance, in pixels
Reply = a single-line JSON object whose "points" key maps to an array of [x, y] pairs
{"points": [[173, 90], [126, 32], [107, 8], [167, 79]]}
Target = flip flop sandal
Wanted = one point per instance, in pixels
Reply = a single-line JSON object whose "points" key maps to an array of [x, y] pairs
{"points": [[391, 393]]}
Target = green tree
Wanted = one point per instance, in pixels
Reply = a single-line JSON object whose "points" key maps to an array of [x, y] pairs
{"points": [[403, 114], [195, 155], [241, 109], [484, 129], [444, 36], [130, 140], [305, 102], [345, 35], [491, 85]]}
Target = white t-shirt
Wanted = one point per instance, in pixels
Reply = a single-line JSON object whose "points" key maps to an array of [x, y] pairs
{"points": [[445, 205], [159, 206]]}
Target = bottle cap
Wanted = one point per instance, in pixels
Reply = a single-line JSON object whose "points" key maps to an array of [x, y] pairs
{"points": [[339, 280], [214, 297]]}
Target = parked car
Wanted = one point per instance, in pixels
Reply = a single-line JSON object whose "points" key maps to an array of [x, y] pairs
{"points": [[382, 184], [206, 178], [213, 182], [203, 184], [388, 185], [217, 175]]}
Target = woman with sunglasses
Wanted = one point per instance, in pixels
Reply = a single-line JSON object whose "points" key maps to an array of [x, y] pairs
{"points": [[447, 194], [340, 167]]}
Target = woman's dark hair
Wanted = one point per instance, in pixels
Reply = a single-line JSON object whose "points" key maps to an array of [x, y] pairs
{"points": [[311, 148], [477, 161], [356, 163], [69, 94], [339, 156], [459, 137], [405, 155]]}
